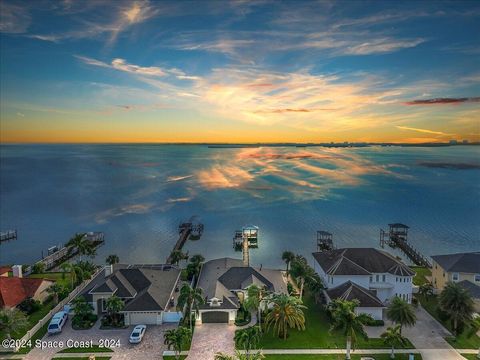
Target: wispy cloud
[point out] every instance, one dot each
(14, 19)
(426, 131)
(443, 101)
(116, 20)
(123, 65)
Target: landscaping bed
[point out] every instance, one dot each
(421, 274)
(317, 334)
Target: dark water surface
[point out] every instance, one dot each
(138, 194)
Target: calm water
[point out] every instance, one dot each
(138, 194)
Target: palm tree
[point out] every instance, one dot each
(112, 259)
(191, 298)
(301, 271)
(346, 320)
(78, 242)
(393, 337)
(255, 295)
(457, 303)
(12, 320)
(55, 289)
(287, 312)
(426, 290)
(239, 356)
(401, 312)
(197, 259)
(175, 338)
(65, 268)
(288, 257)
(114, 305)
(248, 338)
(176, 256)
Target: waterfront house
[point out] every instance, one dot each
(474, 291)
(15, 289)
(456, 268)
(371, 276)
(147, 291)
(225, 282)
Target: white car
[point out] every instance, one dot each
(57, 322)
(137, 334)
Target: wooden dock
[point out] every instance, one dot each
(8, 235)
(185, 231)
(396, 237)
(67, 252)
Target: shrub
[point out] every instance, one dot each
(29, 306)
(38, 268)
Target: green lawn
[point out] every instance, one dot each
(55, 276)
(470, 356)
(465, 340)
(339, 357)
(421, 273)
(93, 349)
(316, 334)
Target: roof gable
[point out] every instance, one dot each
(350, 291)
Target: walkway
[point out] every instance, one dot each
(209, 339)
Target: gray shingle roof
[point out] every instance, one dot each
(461, 262)
(472, 288)
(235, 276)
(360, 261)
(351, 291)
(149, 288)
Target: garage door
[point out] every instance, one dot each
(143, 318)
(215, 317)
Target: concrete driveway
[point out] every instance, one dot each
(427, 335)
(209, 339)
(151, 347)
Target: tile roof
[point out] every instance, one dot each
(14, 290)
(360, 261)
(351, 291)
(5, 269)
(461, 262)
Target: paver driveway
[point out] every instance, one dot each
(209, 339)
(151, 347)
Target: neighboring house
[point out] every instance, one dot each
(13, 290)
(474, 291)
(225, 283)
(4, 270)
(371, 276)
(456, 268)
(147, 291)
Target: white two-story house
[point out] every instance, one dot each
(371, 276)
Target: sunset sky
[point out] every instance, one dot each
(239, 71)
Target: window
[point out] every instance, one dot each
(455, 276)
(377, 278)
(383, 278)
(476, 277)
(396, 279)
(371, 278)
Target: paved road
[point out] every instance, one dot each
(209, 339)
(151, 348)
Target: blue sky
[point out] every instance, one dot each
(148, 71)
